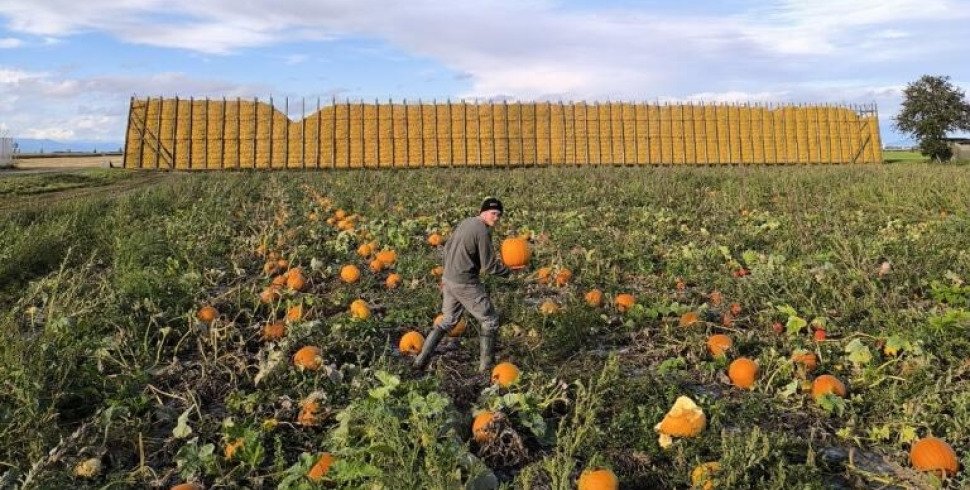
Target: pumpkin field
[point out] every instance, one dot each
(774, 327)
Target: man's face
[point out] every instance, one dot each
(491, 216)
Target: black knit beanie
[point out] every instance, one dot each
(492, 203)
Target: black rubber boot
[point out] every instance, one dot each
(487, 352)
(422, 360)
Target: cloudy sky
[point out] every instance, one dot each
(68, 67)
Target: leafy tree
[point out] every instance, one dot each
(932, 107)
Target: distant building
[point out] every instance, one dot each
(960, 148)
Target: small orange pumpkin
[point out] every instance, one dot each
(232, 447)
(806, 359)
(294, 313)
(594, 298)
(393, 281)
(827, 384)
(188, 486)
(563, 277)
(480, 427)
(716, 298)
(435, 240)
(359, 310)
(207, 314)
(515, 252)
(932, 454)
(349, 273)
(437, 271)
(295, 280)
(365, 250)
(548, 307)
(542, 275)
(411, 343)
(321, 467)
(597, 479)
(279, 281)
(718, 344)
(456, 330)
(376, 266)
(387, 257)
(308, 414)
(269, 295)
(308, 357)
(743, 372)
(689, 319)
(505, 374)
(624, 301)
(274, 331)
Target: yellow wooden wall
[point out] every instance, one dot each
(229, 134)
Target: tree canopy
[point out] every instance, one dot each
(933, 107)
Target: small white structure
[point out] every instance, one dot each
(6, 151)
(960, 148)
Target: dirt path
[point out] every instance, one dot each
(136, 182)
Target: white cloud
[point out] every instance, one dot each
(10, 42)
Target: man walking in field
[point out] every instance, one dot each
(468, 252)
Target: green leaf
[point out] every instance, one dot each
(858, 352)
(182, 429)
(795, 325)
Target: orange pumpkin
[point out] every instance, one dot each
(455, 331)
(279, 281)
(563, 277)
(718, 344)
(743, 372)
(232, 447)
(411, 343)
(349, 273)
(594, 298)
(735, 309)
(308, 414)
(435, 240)
(274, 331)
(188, 486)
(515, 252)
(269, 295)
(688, 319)
(597, 479)
(321, 467)
(359, 310)
(294, 313)
(542, 275)
(308, 357)
(376, 266)
(932, 454)
(295, 280)
(716, 298)
(548, 307)
(340, 214)
(480, 427)
(207, 314)
(806, 359)
(393, 281)
(504, 374)
(387, 257)
(827, 384)
(365, 250)
(624, 301)
(684, 419)
(437, 271)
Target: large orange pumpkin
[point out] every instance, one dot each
(932, 454)
(411, 343)
(718, 344)
(742, 372)
(515, 252)
(321, 467)
(480, 425)
(598, 479)
(826, 384)
(308, 357)
(505, 374)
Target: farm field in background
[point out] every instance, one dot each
(113, 374)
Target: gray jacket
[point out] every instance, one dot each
(469, 251)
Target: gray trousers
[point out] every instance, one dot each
(473, 298)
